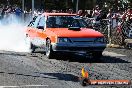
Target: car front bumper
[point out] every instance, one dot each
(78, 47)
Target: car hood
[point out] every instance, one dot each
(83, 32)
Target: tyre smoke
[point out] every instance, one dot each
(12, 35)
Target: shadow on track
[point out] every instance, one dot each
(108, 59)
(84, 58)
(62, 76)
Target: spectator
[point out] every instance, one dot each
(18, 12)
(70, 11)
(3, 12)
(88, 14)
(112, 18)
(81, 13)
(96, 13)
(127, 15)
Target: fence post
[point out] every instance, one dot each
(32, 8)
(109, 32)
(77, 6)
(23, 12)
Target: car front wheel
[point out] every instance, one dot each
(49, 51)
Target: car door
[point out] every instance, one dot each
(41, 36)
(31, 30)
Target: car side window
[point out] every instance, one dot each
(51, 21)
(32, 22)
(41, 22)
(36, 22)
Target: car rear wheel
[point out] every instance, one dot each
(29, 44)
(49, 51)
(32, 48)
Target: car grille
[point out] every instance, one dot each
(85, 48)
(83, 40)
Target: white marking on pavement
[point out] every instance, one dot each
(113, 54)
(24, 86)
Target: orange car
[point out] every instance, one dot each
(63, 32)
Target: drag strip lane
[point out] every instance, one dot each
(24, 86)
(113, 54)
(115, 57)
(19, 69)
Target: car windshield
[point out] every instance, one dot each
(65, 22)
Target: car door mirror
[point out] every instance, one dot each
(40, 27)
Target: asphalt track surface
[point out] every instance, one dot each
(24, 70)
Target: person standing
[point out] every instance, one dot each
(127, 16)
(18, 12)
(96, 13)
(3, 12)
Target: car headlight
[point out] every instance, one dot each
(100, 39)
(63, 40)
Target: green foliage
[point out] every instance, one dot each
(119, 4)
(63, 4)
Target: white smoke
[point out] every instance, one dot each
(12, 35)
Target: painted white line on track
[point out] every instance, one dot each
(113, 54)
(24, 86)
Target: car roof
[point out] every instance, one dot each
(58, 14)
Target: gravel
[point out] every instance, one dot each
(24, 70)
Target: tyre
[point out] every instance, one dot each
(29, 44)
(32, 48)
(49, 52)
